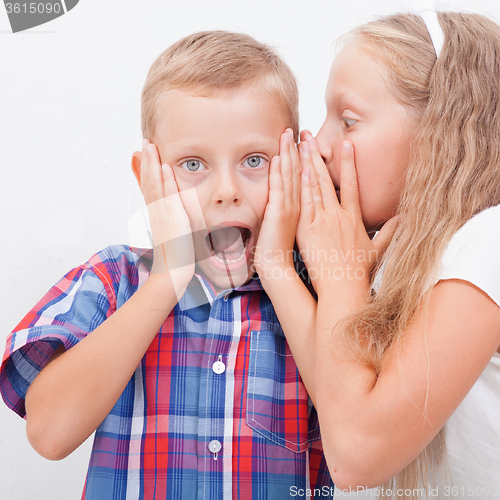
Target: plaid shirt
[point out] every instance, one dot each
(183, 428)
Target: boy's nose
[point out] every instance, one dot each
(226, 189)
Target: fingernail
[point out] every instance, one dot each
(310, 138)
(347, 145)
(290, 132)
(144, 143)
(304, 146)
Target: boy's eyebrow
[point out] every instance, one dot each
(251, 145)
(180, 144)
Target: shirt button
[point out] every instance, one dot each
(214, 446)
(219, 367)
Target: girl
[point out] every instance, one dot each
(403, 367)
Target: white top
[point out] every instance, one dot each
(472, 433)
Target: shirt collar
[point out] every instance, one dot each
(253, 285)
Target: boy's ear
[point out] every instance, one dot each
(136, 166)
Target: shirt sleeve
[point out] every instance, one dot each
(473, 253)
(72, 308)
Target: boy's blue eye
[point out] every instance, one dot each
(253, 161)
(193, 165)
(349, 122)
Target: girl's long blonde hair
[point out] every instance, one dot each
(453, 173)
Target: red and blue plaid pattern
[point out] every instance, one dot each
(154, 443)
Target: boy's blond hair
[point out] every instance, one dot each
(212, 63)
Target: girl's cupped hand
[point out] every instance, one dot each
(331, 236)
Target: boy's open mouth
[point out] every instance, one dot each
(228, 244)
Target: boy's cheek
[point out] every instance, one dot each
(261, 210)
(188, 180)
(194, 206)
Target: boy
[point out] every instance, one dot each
(186, 377)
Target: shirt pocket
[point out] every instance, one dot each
(278, 406)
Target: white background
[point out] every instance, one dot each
(69, 123)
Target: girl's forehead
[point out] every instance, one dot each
(356, 74)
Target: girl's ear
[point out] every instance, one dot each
(136, 166)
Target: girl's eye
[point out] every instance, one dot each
(349, 122)
(253, 161)
(193, 165)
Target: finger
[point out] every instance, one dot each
(169, 183)
(324, 180)
(155, 184)
(190, 199)
(145, 143)
(303, 134)
(349, 193)
(276, 189)
(197, 225)
(306, 160)
(171, 202)
(144, 167)
(286, 167)
(307, 210)
(385, 235)
(296, 168)
(183, 199)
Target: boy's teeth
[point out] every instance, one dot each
(219, 258)
(238, 255)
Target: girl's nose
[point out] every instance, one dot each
(324, 141)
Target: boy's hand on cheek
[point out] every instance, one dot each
(170, 225)
(277, 235)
